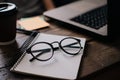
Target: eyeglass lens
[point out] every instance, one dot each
(42, 51)
(71, 46)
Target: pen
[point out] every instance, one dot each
(27, 32)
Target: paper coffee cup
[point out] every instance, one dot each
(8, 18)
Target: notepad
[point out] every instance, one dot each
(60, 66)
(33, 23)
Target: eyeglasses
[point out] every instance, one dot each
(44, 51)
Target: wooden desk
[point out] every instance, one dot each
(97, 54)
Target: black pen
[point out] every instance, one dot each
(27, 32)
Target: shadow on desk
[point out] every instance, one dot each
(111, 37)
(109, 73)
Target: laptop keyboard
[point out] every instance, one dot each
(96, 18)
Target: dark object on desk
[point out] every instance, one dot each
(113, 18)
(8, 18)
(27, 32)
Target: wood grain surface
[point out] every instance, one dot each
(97, 55)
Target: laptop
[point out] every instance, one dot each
(90, 15)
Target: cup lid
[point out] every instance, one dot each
(7, 8)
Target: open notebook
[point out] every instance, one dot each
(60, 66)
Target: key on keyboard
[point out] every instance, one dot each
(96, 18)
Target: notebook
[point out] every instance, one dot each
(90, 15)
(60, 66)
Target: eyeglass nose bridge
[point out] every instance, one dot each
(56, 47)
(55, 42)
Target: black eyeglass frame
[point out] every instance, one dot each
(53, 49)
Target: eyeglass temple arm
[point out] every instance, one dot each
(43, 51)
(71, 45)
